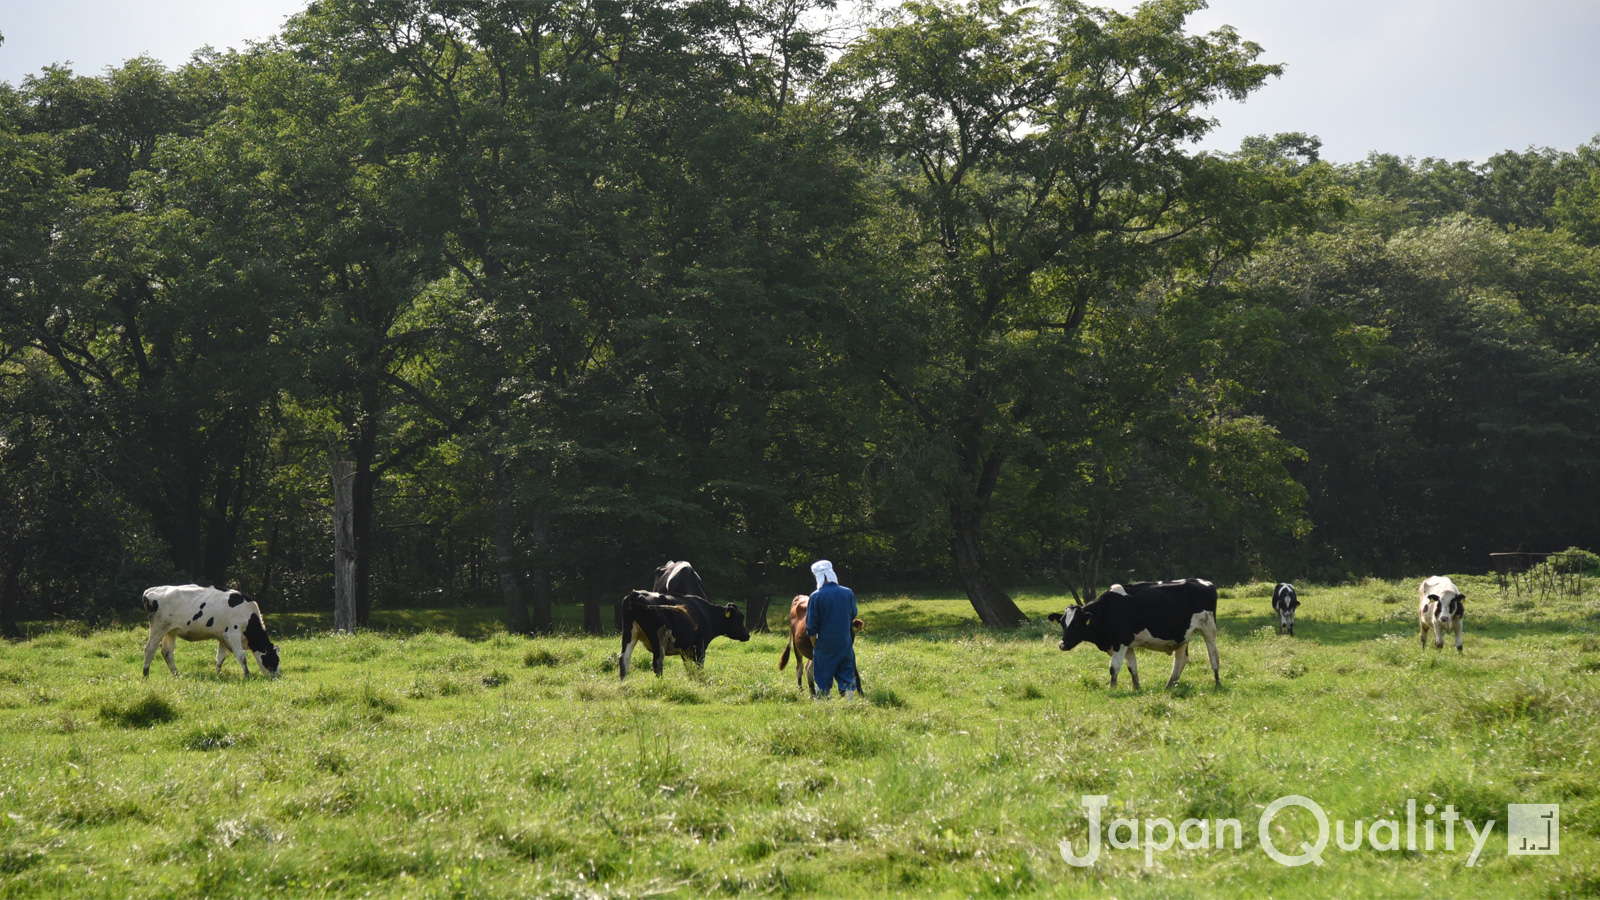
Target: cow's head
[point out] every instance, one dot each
(1284, 603)
(260, 644)
(1445, 606)
(1075, 624)
(732, 622)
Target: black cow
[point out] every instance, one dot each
(1284, 603)
(665, 624)
(1148, 615)
(678, 579)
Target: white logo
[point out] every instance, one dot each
(1533, 829)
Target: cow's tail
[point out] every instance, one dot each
(783, 661)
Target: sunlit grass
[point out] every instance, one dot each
(436, 755)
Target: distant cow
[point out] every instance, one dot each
(197, 613)
(1284, 603)
(678, 579)
(1439, 609)
(665, 624)
(1145, 616)
(802, 644)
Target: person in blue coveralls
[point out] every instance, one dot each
(828, 617)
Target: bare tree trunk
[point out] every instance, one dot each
(9, 626)
(344, 548)
(505, 548)
(994, 606)
(363, 547)
(540, 613)
(591, 608)
(755, 614)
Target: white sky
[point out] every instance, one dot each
(1455, 79)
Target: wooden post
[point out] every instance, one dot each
(344, 548)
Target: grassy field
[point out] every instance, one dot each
(434, 757)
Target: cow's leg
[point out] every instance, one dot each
(811, 677)
(150, 651)
(634, 638)
(1208, 632)
(168, 642)
(237, 646)
(658, 653)
(1457, 624)
(1180, 658)
(1116, 663)
(1438, 636)
(1422, 636)
(631, 635)
(1133, 667)
(222, 654)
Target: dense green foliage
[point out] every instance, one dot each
(423, 764)
(581, 287)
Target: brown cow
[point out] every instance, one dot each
(802, 643)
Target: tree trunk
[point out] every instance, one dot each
(755, 614)
(505, 548)
(591, 608)
(539, 613)
(9, 626)
(994, 606)
(344, 551)
(363, 547)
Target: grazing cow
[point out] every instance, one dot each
(802, 644)
(1284, 603)
(1145, 616)
(665, 624)
(197, 613)
(1439, 609)
(678, 579)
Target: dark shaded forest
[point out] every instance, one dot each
(579, 288)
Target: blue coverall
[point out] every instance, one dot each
(828, 616)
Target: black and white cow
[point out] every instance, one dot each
(1284, 603)
(197, 613)
(1439, 609)
(666, 623)
(1148, 615)
(678, 579)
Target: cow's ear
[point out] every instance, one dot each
(731, 609)
(1054, 617)
(1088, 619)
(1461, 596)
(1434, 597)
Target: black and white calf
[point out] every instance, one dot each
(1148, 615)
(197, 613)
(1284, 603)
(1439, 609)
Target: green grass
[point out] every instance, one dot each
(437, 757)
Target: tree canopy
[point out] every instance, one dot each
(950, 299)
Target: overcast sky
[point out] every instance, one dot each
(1455, 79)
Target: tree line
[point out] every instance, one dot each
(581, 287)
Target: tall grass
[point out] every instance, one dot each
(460, 761)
